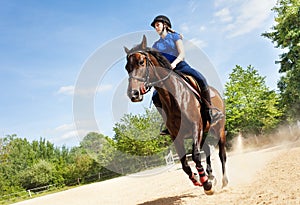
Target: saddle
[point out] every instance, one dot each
(194, 86)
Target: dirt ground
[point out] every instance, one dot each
(266, 176)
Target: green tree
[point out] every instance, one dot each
(138, 143)
(99, 147)
(20, 158)
(250, 106)
(8, 180)
(286, 35)
(19, 155)
(139, 134)
(40, 174)
(81, 165)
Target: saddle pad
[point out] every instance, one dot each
(212, 93)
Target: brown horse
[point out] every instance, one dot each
(182, 109)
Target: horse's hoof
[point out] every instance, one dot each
(208, 188)
(224, 182)
(209, 192)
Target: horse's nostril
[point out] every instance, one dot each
(135, 93)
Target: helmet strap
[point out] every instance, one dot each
(164, 28)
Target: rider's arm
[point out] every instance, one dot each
(181, 54)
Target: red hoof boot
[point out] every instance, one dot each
(193, 178)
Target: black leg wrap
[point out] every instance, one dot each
(186, 168)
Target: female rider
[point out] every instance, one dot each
(171, 46)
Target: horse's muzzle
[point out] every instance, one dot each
(135, 96)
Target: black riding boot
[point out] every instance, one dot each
(214, 116)
(165, 131)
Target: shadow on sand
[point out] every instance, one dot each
(172, 200)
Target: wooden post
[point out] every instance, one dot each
(29, 193)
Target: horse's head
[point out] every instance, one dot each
(138, 70)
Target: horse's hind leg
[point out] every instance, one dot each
(222, 155)
(204, 146)
(206, 149)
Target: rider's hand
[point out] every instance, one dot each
(173, 65)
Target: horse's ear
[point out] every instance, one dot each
(126, 49)
(144, 42)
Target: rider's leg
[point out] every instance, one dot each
(205, 93)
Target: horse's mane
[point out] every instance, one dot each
(155, 53)
(160, 58)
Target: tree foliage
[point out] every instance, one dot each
(286, 35)
(139, 134)
(137, 142)
(250, 106)
(39, 174)
(99, 147)
(21, 161)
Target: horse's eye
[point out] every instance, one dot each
(141, 62)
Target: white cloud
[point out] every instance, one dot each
(193, 5)
(68, 134)
(220, 3)
(104, 88)
(65, 134)
(199, 43)
(224, 15)
(67, 90)
(252, 15)
(184, 28)
(64, 127)
(202, 28)
(70, 90)
(244, 16)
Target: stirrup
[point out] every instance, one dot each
(164, 132)
(216, 117)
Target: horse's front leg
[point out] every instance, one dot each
(185, 166)
(196, 156)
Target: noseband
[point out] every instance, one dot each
(146, 79)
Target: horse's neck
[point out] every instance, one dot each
(168, 88)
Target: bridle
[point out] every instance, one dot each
(146, 79)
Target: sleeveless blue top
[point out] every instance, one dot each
(167, 46)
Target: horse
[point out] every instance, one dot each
(182, 109)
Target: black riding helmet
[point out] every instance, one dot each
(163, 19)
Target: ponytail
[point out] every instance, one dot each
(170, 30)
(173, 31)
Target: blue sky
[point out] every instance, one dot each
(44, 46)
